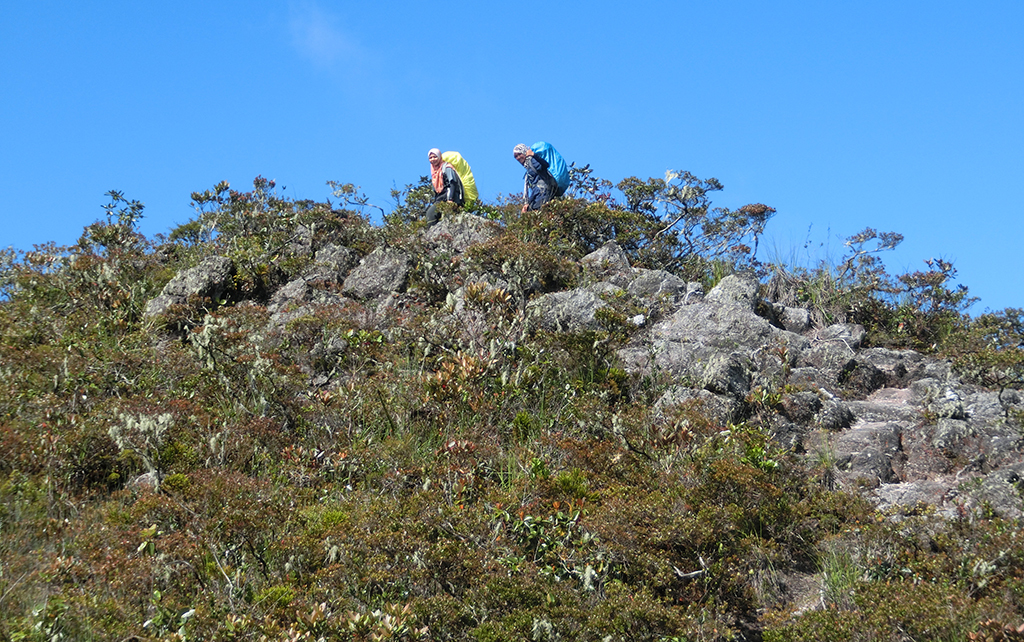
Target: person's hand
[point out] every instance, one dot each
(524, 208)
(522, 157)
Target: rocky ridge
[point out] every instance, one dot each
(898, 426)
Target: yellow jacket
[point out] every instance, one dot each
(462, 168)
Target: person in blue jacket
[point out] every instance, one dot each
(540, 184)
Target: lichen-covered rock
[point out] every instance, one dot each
(695, 340)
(850, 334)
(383, 271)
(607, 263)
(832, 350)
(1000, 492)
(834, 416)
(865, 453)
(786, 434)
(801, 407)
(657, 284)
(917, 495)
(887, 404)
(455, 235)
(727, 374)
(793, 319)
(898, 366)
(719, 409)
(297, 298)
(332, 264)
(735, 290)
(211, 279)
(861, 378)
(572, 310)
(941, 399)
(951, 433)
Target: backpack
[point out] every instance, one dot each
(556, 165)
(462, 168)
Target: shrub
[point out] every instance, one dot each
(991, 350)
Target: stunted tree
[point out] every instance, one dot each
(991, 351)
(680, 205)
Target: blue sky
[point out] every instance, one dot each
(902, 116)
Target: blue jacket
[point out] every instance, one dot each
(541, 185)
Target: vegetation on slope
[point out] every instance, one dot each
(417, 471)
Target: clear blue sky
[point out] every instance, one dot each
(904, 116)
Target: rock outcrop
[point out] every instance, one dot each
(898, 426)
(211, 279)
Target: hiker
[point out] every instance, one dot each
(447, 185)
(546, 173)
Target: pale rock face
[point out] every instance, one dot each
(383, 271)
(212, 278)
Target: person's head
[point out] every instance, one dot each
(434, 156)
(521, 152)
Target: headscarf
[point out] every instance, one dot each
(437, 172)
(520, 149)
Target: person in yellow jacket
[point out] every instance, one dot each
(456, 160)
(452, 180)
